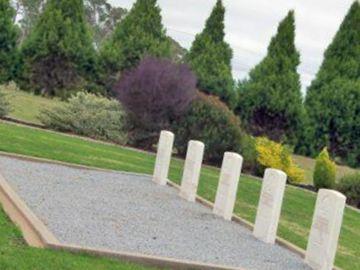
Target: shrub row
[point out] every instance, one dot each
(156, 95)
(207, 119)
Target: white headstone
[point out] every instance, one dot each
(192, 167)
(325, 229)
(269, 208)
(163, 157)
(228, 185)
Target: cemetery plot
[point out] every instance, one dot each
(130, 213)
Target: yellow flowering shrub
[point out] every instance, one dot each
(274, 155)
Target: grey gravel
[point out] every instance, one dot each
(126, 212)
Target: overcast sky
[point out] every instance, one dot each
(250, 24)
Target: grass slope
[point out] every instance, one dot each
(26, 106)
(298, 204)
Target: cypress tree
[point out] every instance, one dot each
(270, 100)
(58, 54)
(210, 58)
(139, 34)
(8, 39)
(332, 100)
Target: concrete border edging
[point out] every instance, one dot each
(143, 259)
(36, 233)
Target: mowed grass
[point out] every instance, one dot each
(26, 106)
(297, 208)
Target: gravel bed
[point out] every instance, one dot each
(125, 212)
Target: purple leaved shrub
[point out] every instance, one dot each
(155, 93)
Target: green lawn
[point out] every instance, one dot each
(26, 106)
(297, 209)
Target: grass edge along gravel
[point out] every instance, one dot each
(15, 254)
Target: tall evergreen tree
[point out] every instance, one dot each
(139, 34)
(59, 55)
(8, 40)
(332, 100)
(270, 101)
(210, 58)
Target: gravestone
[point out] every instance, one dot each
(325, 229)
(163, 157)
(269, 208)
(192, 167)
(228, 185)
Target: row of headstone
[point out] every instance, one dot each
(325, 229)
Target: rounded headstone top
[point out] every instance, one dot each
(275, 173)
(331, 192)
(197, 143)
(167, 134)
(233, 155)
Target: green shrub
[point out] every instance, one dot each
(4, 103)
(208, 120)
(88, 115)
(325, 171)
(349, 185)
